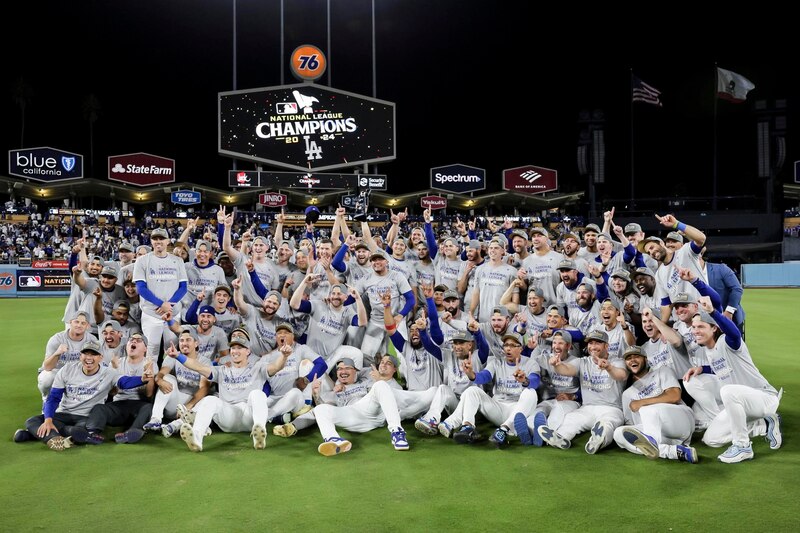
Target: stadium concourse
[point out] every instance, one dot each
(544, 328)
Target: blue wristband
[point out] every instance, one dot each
(181, 359)
(681, 227)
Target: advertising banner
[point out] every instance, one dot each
(45, 164)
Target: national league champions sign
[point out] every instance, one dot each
(305, 127)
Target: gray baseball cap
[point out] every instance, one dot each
(567, 264)
(159, 232)
(284, 326)
(223, 288)
(591, 227)
(589, 284)
(451, 295)
(125, 247)
(78, 314)
(634, 350)
(633, 227)
(501, 309)
(540, 230)
(597, 335)
(537, 291)
(560, 309)
(378, 254)
(564, 334)
(621, 273)
(276, 294)
(239, 340)
(463, 336)
(91, 346)
(361, 244)
(202, 242)
(644, 241)
(519, 233)
(191, 332)
(644, 271)
(474, 243)
(346, 361)
(516, 337)
(116, 326)
(109, 271)
(674, 236)
(683, 298)
(613, 303)
(705, 317)
(144, 247)
(138, 335)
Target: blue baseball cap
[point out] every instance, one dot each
(207, 309)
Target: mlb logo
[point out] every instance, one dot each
(30, 281)
(286, 108)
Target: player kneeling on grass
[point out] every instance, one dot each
(658, 423)
(77, 388)
(515, 382)
(749, 402)
(602, 382)
(179, 388)
(242, 403)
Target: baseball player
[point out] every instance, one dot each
(749, 402)
(668, 281)
(77, 388)
(203, 276)
(178, 385)
(665, 348)
(541, 266)
(225, 317)
(559, 392)
(602, 381)
(361, 404)
(514, 391)
(261, 320)
(530, 318)
(446, 264)
(590, 251)
(112, 344)
(131, 406)
(612, 323)
(161, 281)
(491, 281)
(62, 348)
(104, 288)
(657, 422)
(473, 261)
(241, 404)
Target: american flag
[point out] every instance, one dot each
(643, 92)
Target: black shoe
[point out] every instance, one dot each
(22, 435)
(466, 435)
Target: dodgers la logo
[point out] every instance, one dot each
(68, 163)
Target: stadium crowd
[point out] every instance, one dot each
(545, 329)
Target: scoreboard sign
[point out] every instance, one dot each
(305, 127)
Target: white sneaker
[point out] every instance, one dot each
(187, 434)
(259, 434)
(597, 438)
(170, 429)
(334, 446)
(737, 454)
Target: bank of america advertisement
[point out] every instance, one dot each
(306, 127)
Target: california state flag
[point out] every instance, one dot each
(733, 87)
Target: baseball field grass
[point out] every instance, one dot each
(159, 484)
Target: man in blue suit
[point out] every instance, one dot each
(723, 280)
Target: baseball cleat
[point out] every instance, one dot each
(399, 440)
(285, 418)
(737, 454)
(185, 414)
(539, 420)
(499, 438)
(131, 436)
(300, 412)
(552, 438)
(22, 435)
(59, 443)
(427, 427)
(334, 446)
(466, 435)
(687, 454)
(523, 432)
(153, 425)
(642, 442)
(83, 436)
(259, 434)
(445, 430)
(187, 434)
(774, 436)
(596, 438)
(285, 430)
(170, 429)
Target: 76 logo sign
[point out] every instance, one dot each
(308, 62)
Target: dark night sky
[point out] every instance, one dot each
(484, 83)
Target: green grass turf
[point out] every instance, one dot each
(438, 485)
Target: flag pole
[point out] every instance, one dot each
(714, 176)
(630, 99)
